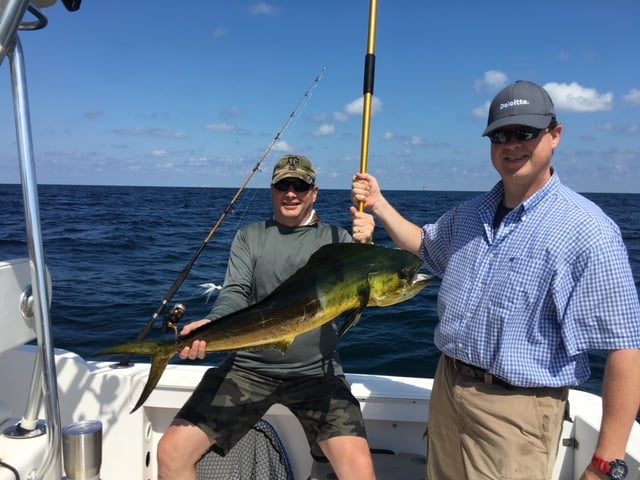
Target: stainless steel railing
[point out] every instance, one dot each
(44, 383)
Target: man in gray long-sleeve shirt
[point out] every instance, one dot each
(308, 378)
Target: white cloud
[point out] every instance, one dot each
(220, 127)
(632, 129)
(93, 115)
(233, 111)
(159, 153)
(492, 81)
(263, 8)
(319, 118)
(150, 132)
(482, 111)
(325, 130)
(573, 97)
(220, 32)
(413, 140)
(357, 106)
(606, 127)
(282, 146)
(633, 97)
(198, 162)
(340, 117)
(406, 153)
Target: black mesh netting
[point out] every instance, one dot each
(259, 455)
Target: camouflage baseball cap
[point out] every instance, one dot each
(294, 166)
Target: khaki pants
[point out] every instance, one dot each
(485, 431)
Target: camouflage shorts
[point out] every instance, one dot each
(226, 404)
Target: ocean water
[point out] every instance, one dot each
(115, 252)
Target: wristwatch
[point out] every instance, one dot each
(616, 469)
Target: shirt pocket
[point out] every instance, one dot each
(521, 283)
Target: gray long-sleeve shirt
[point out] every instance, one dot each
(262, 256)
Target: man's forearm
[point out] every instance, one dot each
(620, 402)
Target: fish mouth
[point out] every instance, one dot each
(407, 290)
(420, 278)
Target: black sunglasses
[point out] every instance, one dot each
(298, 186)
(522, 134)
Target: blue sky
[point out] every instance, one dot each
(191, 93)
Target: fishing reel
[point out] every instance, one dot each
(172, 318)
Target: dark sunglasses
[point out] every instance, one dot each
(522, 134)
(298, 186)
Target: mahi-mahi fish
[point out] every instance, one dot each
(338, 278)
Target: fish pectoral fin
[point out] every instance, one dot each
(354, 317)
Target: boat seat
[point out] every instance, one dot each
(388, 466)
(15, 286)
(259, 454)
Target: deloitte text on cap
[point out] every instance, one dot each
(294, 166)
(522, 103)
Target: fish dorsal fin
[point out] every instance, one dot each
(328, 254)
(334, 253)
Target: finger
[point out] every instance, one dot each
(199, 349)
(202, 349)
(189, 327)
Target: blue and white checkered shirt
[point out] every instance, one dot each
(528, 301)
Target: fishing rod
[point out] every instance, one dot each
(178, 311)
(367, 90)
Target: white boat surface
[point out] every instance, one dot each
(43, 389)
(395, 411)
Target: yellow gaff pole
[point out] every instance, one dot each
(369, 72)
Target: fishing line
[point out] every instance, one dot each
(367, 90)
(178, 311)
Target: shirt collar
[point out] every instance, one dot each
(311, 221)
(551, 186)
(494, 197)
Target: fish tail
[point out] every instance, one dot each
(159, 362)
(160, 353)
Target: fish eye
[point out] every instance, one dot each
(406, 273)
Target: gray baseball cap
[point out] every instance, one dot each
(521, 103)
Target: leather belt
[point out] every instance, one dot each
(471, 371)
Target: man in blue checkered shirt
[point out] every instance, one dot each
(533, 276)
